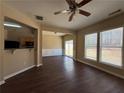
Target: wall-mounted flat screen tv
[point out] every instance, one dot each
(11, 44)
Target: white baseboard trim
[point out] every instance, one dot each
(39, 65)
(112, 73)
(16, 73)
(2, 82)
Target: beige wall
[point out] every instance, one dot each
(52, 45)
(18, 34)
(1, 42)
(101, 26)
(56, 29)
(23, 18)
(51, 42)
(17, 60)
(19, 16)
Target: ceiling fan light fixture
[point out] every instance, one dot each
(65, 11)
(9, 24)
(74, 8)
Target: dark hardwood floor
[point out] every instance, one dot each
(62, 75)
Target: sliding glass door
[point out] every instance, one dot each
(69, 48)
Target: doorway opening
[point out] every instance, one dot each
(69, 48)
(52, 43)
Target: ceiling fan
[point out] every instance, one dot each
(74, 7)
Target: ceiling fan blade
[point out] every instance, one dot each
(73, 2)
(83, 3)
(84, 13)
(71, 17)
(63, 11)
(69, 2)
(56, 13)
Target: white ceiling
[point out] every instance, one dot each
(98, 8)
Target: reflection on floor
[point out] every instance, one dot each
(63, 75)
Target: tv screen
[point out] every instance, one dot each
(11, 44)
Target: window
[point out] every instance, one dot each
(111, 46)
(69, 48)
(91, 46)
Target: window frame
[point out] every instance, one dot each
(98, 52)
(95, 60)
(123, 51)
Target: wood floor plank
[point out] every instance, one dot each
(63, 75)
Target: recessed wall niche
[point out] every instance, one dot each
(18, 35)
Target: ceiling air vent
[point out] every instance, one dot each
(39, 18)
(115, 12)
